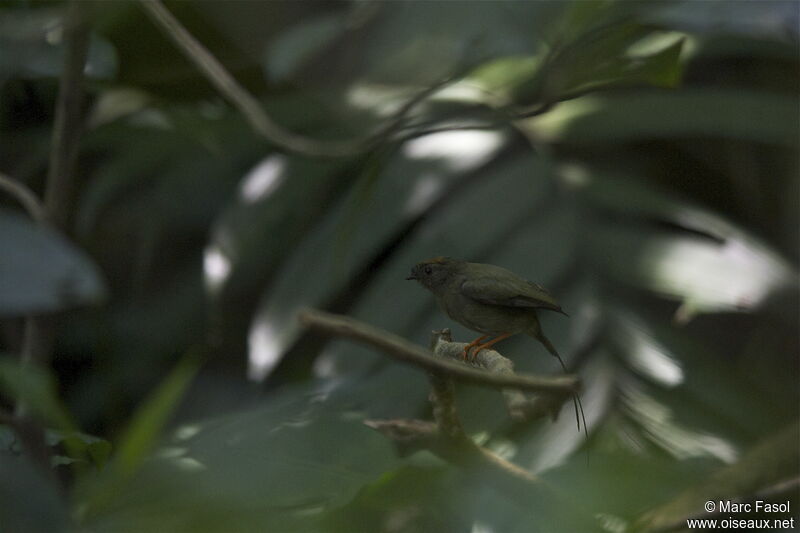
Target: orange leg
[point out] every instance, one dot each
(471, 345)
(489, 344)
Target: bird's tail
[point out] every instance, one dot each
(576, 399)
(550, 348)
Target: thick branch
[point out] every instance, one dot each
(520, 406)
(408, 352)
(443, 399)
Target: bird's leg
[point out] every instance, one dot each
(471, 345)
(489, 344)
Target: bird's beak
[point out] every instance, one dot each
(412, 276)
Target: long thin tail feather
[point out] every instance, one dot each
(576, 399)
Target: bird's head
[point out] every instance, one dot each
(434, 274)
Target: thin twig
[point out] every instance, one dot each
(408, 352)
(251, 108)
(22, 194)
(414, 435)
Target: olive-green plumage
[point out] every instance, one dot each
(491, 300)
(486, 298)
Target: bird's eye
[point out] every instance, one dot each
(428, 270)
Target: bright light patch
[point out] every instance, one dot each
(652, 360)
(733, 276)
(264, 349)
(263, 179)
(458, 150)
(480, 527)
(574, 175)
(654, 43)
(661, 427)
(216, 267)
(55, 35)
(387, 101)
(187, 432)
(554, 125)
(376, 98)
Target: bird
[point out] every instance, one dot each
(490, 300)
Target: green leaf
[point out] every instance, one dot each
(599, 45)
(301, 43)
(776, 21)
(726, 113)
(151, 417)
(709, 276)
(36, 388)
(606, 63)
(40, 271)
(81, 446)
(274, 468)
(33, 47)
(765, 467)
(389, 194)
(714, 265)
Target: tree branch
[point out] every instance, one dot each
(446, 437)
(414, 435)
(68, 121)
(408, 352)
(22, 194)
(39, 330)
(443, 398)
(251, 108)
(521, 407)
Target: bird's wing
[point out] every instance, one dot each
(511, 293)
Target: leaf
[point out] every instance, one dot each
(389, 196)
(36, 388)
(415, 44)
(150, 418)
(296, 46)
(705, 275)
(762, 117)
(772, 461)
(32, 44)
(605, 62)
(29, 502)
(40, 271)
(81, 446)
(276, 468)
(778, 21)
(713, 265)
(597, 45)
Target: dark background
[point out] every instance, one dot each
(654, 192)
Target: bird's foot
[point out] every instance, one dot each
(489, 344)
(465, 356)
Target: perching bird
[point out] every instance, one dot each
(490, 300)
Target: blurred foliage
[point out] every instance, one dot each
(639, 159)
